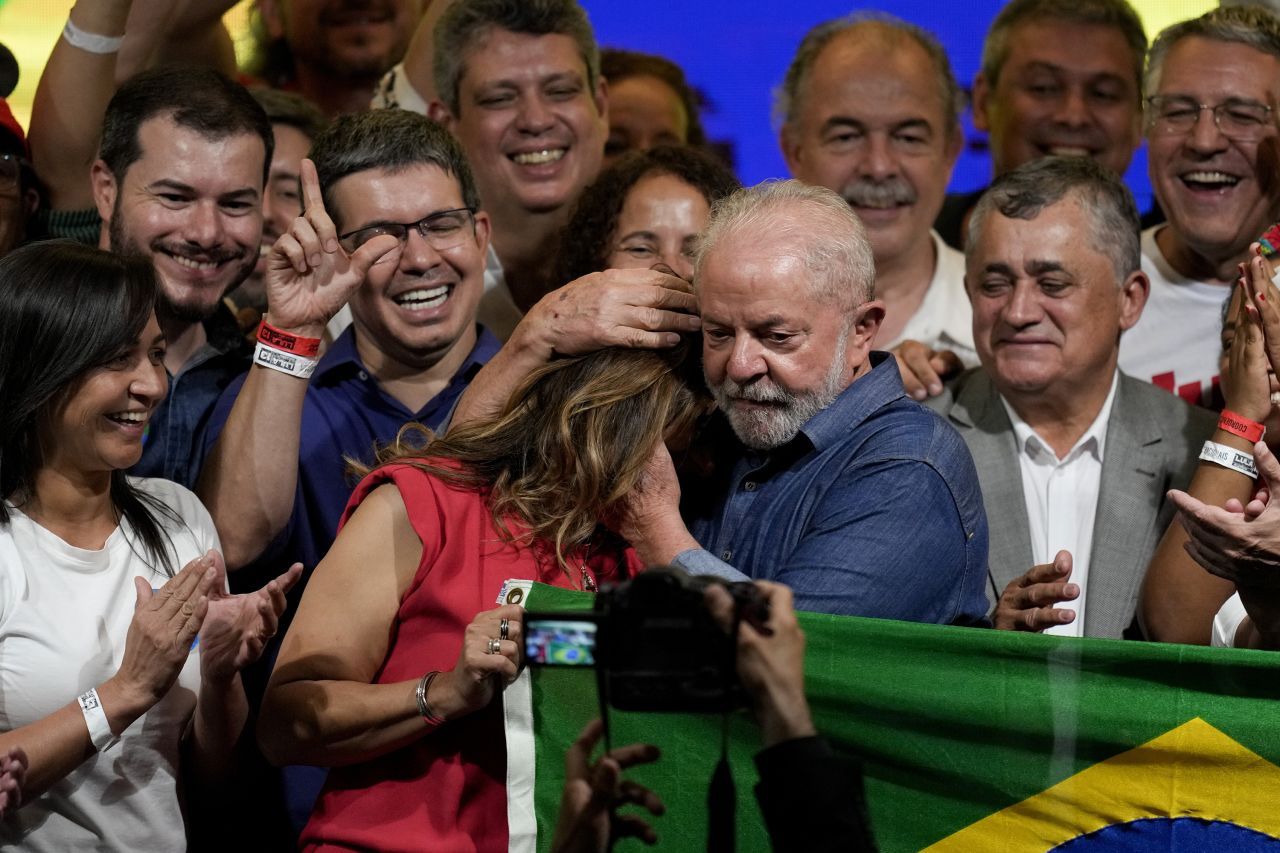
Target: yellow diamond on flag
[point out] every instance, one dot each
(1194, 771)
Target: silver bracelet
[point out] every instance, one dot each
(424, 709)
(1229, 457)
(91, 42)
(96, 719)
(285, 362)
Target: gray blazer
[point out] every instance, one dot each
(1153, 443)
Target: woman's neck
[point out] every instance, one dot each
(75, 507)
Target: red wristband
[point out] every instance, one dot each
(282, 340)
(1237, 424)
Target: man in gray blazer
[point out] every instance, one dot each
(1074, 458)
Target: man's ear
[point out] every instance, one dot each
(440, 114)
(105, 190)
(981, 98)
(1133, 297)
(790, 149)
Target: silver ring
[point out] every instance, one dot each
(503, 627)
(495, 646)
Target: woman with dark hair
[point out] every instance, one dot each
(650, 103)
(100, 681)
(389, 671)
(646, 209)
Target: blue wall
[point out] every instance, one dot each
(736, 52)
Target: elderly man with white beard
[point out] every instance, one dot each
(829, 478)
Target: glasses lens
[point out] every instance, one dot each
(446, 229)
(10, 169)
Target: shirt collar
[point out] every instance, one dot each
(342, 357)
(865, 395)
(1093, 440)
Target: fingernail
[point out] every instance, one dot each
(935, 389)
(1072, 589)
(918, 395)
(314, 260)
(331, 245)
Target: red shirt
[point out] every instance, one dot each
(446, 791)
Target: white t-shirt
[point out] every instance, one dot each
(64, 614)
(498, 311)
(1227, 622)
(944, 320)
(1177, 342)
(1061, 496)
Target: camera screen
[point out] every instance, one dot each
(560, 642)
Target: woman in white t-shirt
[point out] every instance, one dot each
(103, 681)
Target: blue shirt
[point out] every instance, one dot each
(344, 415)
(172, 449)
(873, 509)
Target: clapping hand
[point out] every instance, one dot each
(237, 627)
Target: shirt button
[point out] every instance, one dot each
(364, 377)
(749, 486)
(726, 555)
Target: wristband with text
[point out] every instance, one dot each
(1237, 424)
(96, 719)
(285, 362)
(1229, 457)
(287, 341)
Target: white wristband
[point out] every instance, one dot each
(96, 719)
(1229, 457)
(91, 42)
(285, 362)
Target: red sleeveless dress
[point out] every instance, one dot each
(447, 791)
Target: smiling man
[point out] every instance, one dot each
(871, 110)
(179, 180)
(826, 462)
(392, 223)
(1058, 77)
(1072, 455)
(1212, 87)
(520, 87)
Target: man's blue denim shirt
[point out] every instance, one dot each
(172, 448)
(873, 509)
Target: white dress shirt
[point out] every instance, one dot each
(944, 320)
(1061, 497)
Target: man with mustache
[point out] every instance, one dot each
(1058, 77)
(826, 457)
(1074, 456)
(1212, 86)
(870, 109)
(179, 179)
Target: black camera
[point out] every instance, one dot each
(653, 641)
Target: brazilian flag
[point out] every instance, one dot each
(971, 740)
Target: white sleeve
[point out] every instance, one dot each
(1227, 622)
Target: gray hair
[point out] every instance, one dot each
(828, 237)
(393, 140)
(1031, 188)
(1116, 14)
(788, 95)
(1248, 25)
(468, 21)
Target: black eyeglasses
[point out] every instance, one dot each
(443, 229)
(1244, 121)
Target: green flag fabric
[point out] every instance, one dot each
(971, 740)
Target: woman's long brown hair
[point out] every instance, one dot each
(570, 443)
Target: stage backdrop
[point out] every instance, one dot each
(735, 51)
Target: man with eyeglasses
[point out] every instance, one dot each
(18, 195)
(392, 225)
(1211, 85)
